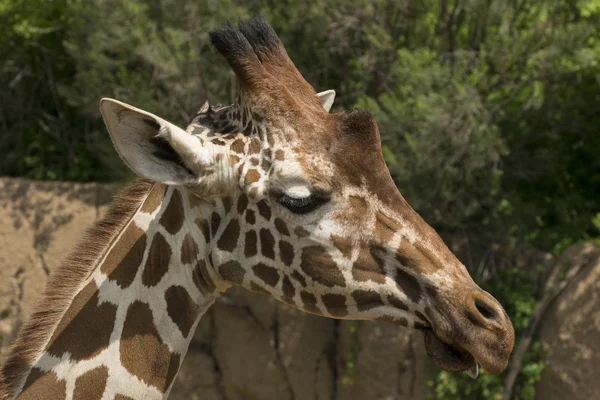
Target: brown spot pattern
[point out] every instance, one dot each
(396, 302)
(172, 218)
(232, 271)
(157, 263)
(122, 397)
(250, 217)
(215, 221)
(268, 274)
(367, 299)
(408, 285)
(42, 385)
(267, 244)
(417, 258)
(368, 267)
(202, 279)
(281, 227)
(227, 203)
(310, 302)
(319, 265)
(254, 147)
(154, 199)
(258, 289)
(84, 314)
(229, 237)
(181, 308)
(203, 226)
(279, 155)
(122, 262)
(252, 176)
(251, 244)
(335, 304)
(298, 277)
(301, 232)
(189, 250)
(288, 289)
(264, 209)
(242, 203)
(286, 252)
(91, 385)
(142, 352)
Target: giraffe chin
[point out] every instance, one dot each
(449, 357)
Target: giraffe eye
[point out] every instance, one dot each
(302, 205)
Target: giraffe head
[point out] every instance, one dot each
(306, 210)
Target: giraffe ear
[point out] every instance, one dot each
(152, 147)
(327, 97)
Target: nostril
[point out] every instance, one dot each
(485, 310)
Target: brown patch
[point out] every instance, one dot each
(368, 266)
(122, 397)
(252, 176)
(242, 203)
(237, 146)
(189, 250)
(232, 271)
(172, 218)
(154, 200)
(417, 258)
(202, 279)
(91, 385)
(218, 141)
(310, 302)
(264, 209)
(396, 302)
(301, 232)
(233, 159)
(268, 274)
(367, 299)
(408, 285)
(227, 203)
(143, 353)
(288, 289)
(254, 147)
(280, 155)
(298, 277)
(42, 385)
(229, 237)
(250, 217)
(76, 268)
(319, 265)
(258, 289)
(254, 161)
(385, 228)
(251, 244)
(335, 304)
(343, 245)
(181, 308)
(281, 227)
(286, 252)
(157, 263)
(395, 320)
(123, 260)
(265, 165)
(215, 221)
(97, 320)
(202, 224)
(354, 213)
(267, 244)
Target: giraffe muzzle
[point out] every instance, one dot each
(473, 332)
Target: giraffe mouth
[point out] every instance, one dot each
(449, 357)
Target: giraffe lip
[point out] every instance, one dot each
(449, 357)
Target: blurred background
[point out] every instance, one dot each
(489, 112)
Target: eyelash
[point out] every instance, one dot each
(303, 205)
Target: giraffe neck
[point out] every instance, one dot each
(131, 318)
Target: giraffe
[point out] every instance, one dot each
(273, 193)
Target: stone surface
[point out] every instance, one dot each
(570, 332)
(247, 346)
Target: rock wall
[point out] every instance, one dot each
(247, 346)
